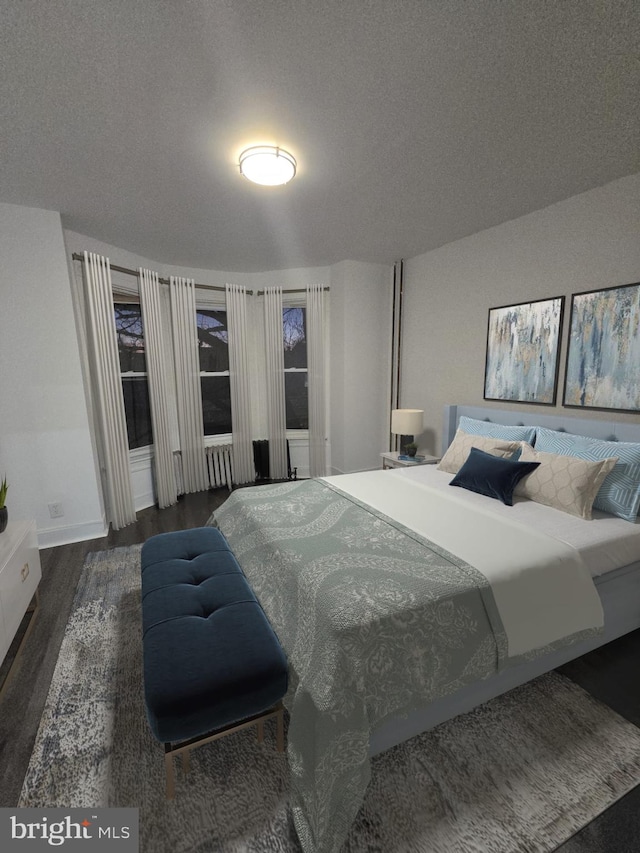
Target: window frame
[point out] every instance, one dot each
(288, 303)
(211, 439)
(120, 297)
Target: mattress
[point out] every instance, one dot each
(605, 542)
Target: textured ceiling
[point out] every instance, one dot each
(414, 123)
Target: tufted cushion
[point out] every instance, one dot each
(192, 571)
(211, 658)
(185, 598)
(182, 544)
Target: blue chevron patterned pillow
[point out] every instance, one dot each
(509, 433)
(620, 492)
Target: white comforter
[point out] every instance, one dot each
(542, 588)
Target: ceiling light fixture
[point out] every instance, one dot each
(267, 164)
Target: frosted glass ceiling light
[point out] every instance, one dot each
(267, 165)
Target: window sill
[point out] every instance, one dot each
(216, 440)
(141, 459)
(227, 438)
(141, 454)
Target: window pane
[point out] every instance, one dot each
(213, 341)
(216, 404)
(130, 337)
(296, 400)
(294, 334)
(137, 411)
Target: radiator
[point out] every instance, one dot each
(261, 460)
(220, 465)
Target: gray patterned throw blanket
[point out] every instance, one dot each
(376, 621)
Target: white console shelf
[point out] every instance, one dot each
(20, 574)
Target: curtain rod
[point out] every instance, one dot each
(77, 257)
(295, 290)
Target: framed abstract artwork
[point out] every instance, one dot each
(523, 347)
(603, 356)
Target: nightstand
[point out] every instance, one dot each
(390, 460)
(20, 574)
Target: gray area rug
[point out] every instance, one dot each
(520, 774)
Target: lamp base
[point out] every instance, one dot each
(404, 441)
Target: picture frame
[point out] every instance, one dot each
(523, 349)
(603, 354)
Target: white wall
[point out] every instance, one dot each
(586, 242)
(45, 442)
(360, 332)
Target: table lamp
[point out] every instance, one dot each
(406, 423)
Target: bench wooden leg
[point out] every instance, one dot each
(186, 746)
(168, 764)
(280, 729)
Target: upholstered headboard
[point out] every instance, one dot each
(608, 430)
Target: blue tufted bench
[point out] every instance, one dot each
(212, 662)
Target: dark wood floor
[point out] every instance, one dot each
(611, 673)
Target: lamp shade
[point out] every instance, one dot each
(407, 421)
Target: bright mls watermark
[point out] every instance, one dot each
(76, 829)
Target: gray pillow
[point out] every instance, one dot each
(566, 483)
(459, 449)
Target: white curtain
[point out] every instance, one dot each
(154, 338)
(105, 364)
(185, 352)
(316, 379)
(276, 409)
(240, 383)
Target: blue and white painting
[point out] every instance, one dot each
(603, 359)
(522, 352)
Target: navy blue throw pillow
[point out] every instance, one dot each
(491, 475)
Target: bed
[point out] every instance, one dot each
(393, 622)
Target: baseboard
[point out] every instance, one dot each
(54, 536)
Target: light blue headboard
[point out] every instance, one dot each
(605, 429)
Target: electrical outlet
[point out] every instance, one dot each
(56, 510)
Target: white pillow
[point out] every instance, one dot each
(566, 483)
(460, 447)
